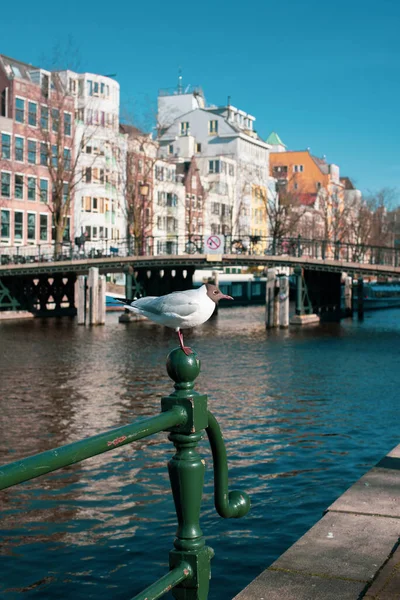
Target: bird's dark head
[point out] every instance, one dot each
(215, 294)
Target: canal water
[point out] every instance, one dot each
(304, 412)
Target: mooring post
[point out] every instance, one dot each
(348, 304)
(102, 300)
(360, 298)
(283, 300)
(80, 288)
(92, 283)
(270, 299)
(276, 311)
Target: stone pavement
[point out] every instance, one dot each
(353, 552)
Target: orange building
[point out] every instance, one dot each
(299, 171)
(312, 181)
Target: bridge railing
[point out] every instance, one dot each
(184, 414)
(197, 244)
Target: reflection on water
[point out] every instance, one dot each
(304, 414)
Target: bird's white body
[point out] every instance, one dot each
(179, 310)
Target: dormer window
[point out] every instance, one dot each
(213, 127)
(184, 130)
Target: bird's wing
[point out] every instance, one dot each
(179, 304)
(148, 303)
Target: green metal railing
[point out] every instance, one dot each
(184, 414)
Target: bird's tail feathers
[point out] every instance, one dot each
(127, 306)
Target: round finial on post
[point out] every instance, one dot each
(183, 369)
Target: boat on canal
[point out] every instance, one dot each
(381, 295)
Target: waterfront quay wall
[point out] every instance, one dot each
(353, 552)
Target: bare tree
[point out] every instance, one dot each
(58, 153)
(284, 213)
(141, 159)
(382, 203)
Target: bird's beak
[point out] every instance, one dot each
(224, 297)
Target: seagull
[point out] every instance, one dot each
(180, 310)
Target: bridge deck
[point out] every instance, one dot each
(199, 261)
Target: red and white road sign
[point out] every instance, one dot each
(215, 244)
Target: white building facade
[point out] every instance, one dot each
(100, 151)
(232, 159)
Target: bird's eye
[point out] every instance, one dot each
(215, 292)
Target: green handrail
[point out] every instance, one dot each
(185, 415)
(51, 460)
(228, 504)
(166, 583)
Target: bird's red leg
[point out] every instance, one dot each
(188, 351)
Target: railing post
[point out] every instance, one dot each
(186, 472)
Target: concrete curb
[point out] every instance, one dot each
(351, 553)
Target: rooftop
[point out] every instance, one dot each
(16, 68)
(274, 140)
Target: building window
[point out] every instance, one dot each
(19, 149)
(87, 174)
(171, 149)
(43, 155)
(298, 168)
(67, 230)
(67, 159)
(213, 166)
(55, 119)
(231, 170)
(4, 103)
(44, 190)
(65, 193)
(32, 188)
(6, 185)
(5, 146)
(43, 228)
(94, 233)
(5, 224)
(54, 156)
(198, 148)
(72, 85)
(318, 185)
(89, 87)
(18, 225)
(160, 173)
(19, 110)
(67, 123)
(32, 113)
(172, 199)
(19, 186)
(44, 118)
(31, 226)
(31, 152)
(215, 208)
(184, 128)
(213, 127)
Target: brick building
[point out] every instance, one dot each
(34, 131)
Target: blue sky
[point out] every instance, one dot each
(323, 75)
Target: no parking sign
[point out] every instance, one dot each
(215, 244)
